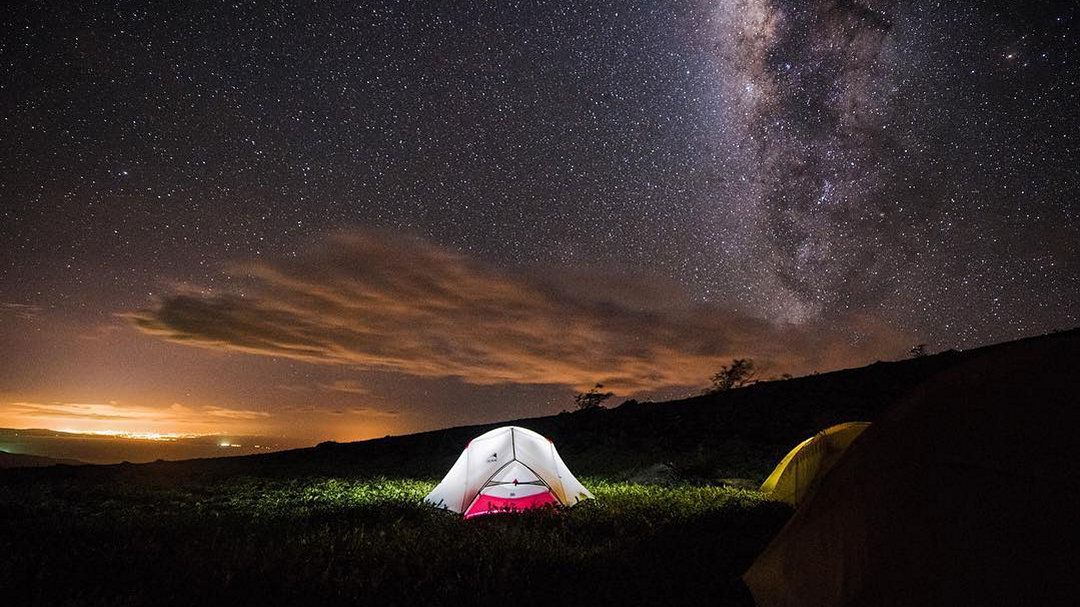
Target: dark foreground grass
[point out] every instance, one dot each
(332, 541)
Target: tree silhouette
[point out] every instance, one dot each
(738, 374)
(917, 351)
(593, 399)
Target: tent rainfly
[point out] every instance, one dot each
(964, 493)
(507, 469)
(799, 472)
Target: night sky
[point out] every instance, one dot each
(347, 219)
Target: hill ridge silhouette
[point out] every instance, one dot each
(739, 433)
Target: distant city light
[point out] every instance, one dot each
(154, 436)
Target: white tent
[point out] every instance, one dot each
(508, 468)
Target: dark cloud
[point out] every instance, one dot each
(377, 301)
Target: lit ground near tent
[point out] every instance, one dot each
(161, 540)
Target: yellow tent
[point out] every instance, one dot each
(963, 493)
(797, 474)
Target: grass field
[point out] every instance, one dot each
(343, 523)
(155, 539)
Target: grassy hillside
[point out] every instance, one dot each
(343, 523)
(736, 434)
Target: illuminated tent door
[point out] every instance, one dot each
(507, 469)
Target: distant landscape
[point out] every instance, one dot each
(19, 460)
(110, 449)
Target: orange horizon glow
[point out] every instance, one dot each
(176, 422)
(118, 419)
(147, 436)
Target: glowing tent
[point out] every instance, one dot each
(507, 469)
(801, 469)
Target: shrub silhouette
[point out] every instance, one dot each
(593, 399)
(738, 374)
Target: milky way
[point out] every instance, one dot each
(857, 127)
(875, 174)
(810, 87)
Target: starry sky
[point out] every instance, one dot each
(339, 220)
